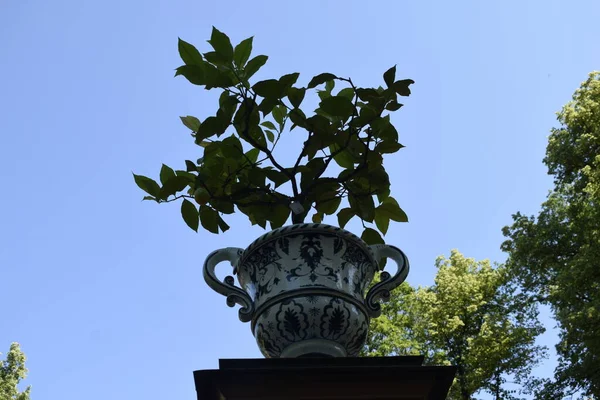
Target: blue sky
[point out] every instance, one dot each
(105, 293)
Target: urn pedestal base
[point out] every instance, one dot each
(345, 378)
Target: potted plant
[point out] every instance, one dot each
(302, 286)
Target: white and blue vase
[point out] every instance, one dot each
(303, 289)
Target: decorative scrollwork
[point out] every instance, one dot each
(227, 288)
(381, 291)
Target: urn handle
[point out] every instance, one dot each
(381, 291)
(227, 288)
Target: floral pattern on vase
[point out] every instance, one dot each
(305, 285)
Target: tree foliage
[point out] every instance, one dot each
(556, 255)
(471, 318)
(238, 169)
(13, 371)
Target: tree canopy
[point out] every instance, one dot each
(13, 371)
(555, 256)
(471, 318)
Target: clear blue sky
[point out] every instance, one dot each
(105, 293)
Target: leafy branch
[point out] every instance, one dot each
(351, 128)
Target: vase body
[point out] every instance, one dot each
(304, 289)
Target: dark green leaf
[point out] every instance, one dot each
(166, 173)
(173, 185)
(363, 206)
(329, 205)
(270, 136)
(221, 43)
(297, 116)
(211, 126)
(269, 125)
(278, 215)
(402, 87)
(253, 154)
(192, 123)
(270, 88)
(329, 85)
(242, 51)
(222, 224)
(190, 166)
(232, 148)
(209, 218)
(393, 106)
(371, 236)
(217, 78)
(347, 92)
(190, 214)
(319, 79)
(224, 206)
(389, 76)
(344, 215)
(217, 59)
(150, 198)
(254, 65)
(392, 210)
(338, 105)
(367, 94)
(256, 176)
(388, 146)
(191, 178)
(279, 114)
(193, 73)
(288, 80)
(277, 177)
(147, 185)
(296, 96)
(382, 221)
(317, 217)
(189, 54)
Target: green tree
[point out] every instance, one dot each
(555, 257)
(12, 371)
(472, 318)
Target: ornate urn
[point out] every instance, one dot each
(304, 288)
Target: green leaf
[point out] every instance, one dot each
(253, 154)
(297, 116)
(147, 185)
(389, 76)
(269, 125)
(347, 93)
(402, 87)
(388, 146)
(393, 106)
(217, 59)
(339, 106)
(371, 236)
(344, 215)
(270, 136)
(330, 205)
(392, 210)
(270, 88)
(189, 54)
(222, 224)
(288, 80)
(278, 215)
(279, 114)
(363, 206)
(173, 185)
(209, 219)
(150, 198)
(190, 166)
(317, 217)
(296, 96)
(221, 43)
(193, 73)
(190, 214)
(192, 123)
(382, 221)
(254, 65)
(319, 79)
(242, 52)
(166, 173)
(277, 177)
(329, 85)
